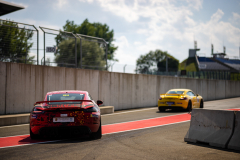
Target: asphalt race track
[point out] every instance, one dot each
(130, 134)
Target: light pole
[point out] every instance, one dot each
(124, 68)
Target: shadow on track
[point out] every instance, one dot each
(206, 145)
(58, 139)
(177, 110)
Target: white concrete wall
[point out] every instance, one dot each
(220, 89)
(22, 85)
(211, 89)
(125, 91)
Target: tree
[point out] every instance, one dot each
(95, 30)
(155, 61)
(14, 46)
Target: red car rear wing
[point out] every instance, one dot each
(63, 101)
(62, 105)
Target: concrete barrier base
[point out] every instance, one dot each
(16, 119)
(7, 120)
(235, 140)
(106, 109)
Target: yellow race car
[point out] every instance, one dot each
(179, 98)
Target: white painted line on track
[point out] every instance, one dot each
(31, 144)
(19, 125)
(129, 111)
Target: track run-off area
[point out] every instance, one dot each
(142, 133)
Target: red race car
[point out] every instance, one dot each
(66, 113)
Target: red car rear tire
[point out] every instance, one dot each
(32, 135)
(98, 134)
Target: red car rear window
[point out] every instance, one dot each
(65, 96)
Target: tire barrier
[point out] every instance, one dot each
(235, 140)
(214, 127)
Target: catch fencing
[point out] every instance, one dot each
(65, 49)
(18, 42)
(64, 56)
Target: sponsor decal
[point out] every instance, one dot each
(64, 105)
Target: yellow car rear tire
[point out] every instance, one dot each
(201, 104)
(189, 108)
(161, 109)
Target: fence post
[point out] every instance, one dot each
(80, 52)
(44, 50)
(76, 53)
(26, 49)
(80, 59)
(37, 46)
(44, 47)
(106, 56)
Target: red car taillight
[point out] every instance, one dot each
(37, 111)
(183, 98)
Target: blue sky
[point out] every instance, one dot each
(143, 25)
